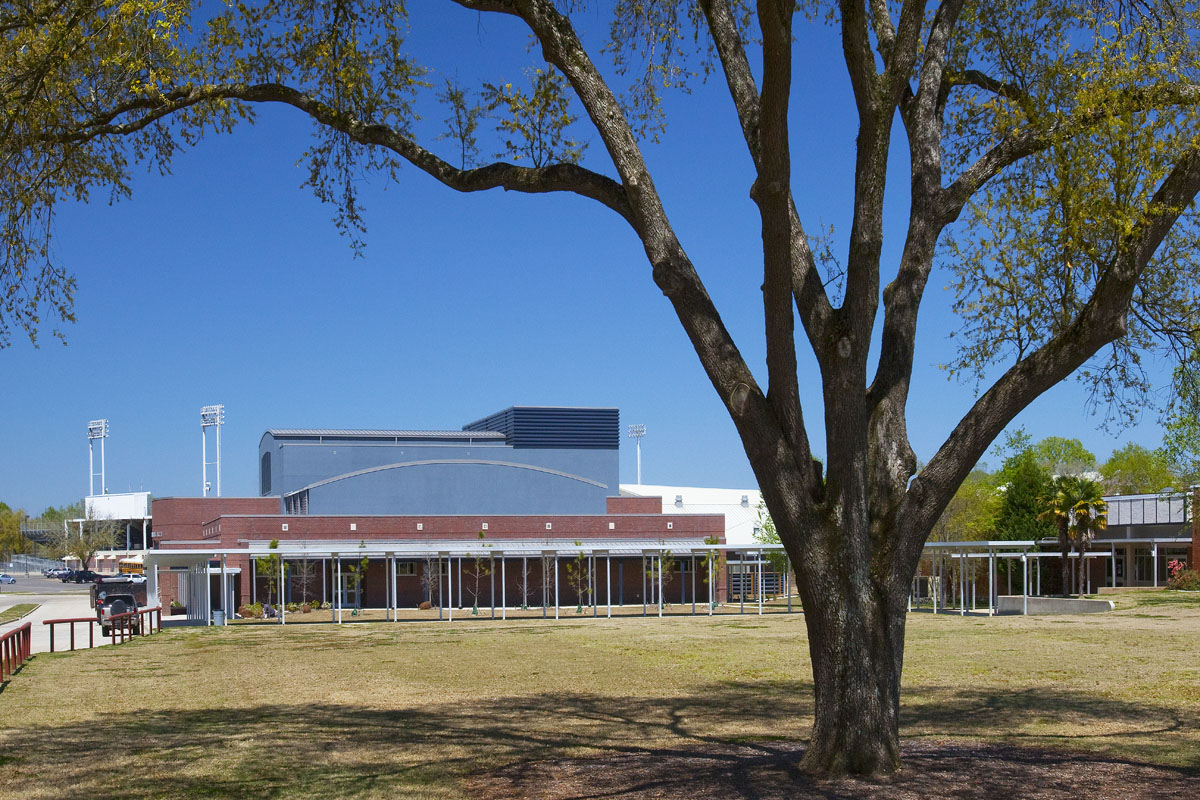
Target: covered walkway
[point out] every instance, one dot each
(951, 583)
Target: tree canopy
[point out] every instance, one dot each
(1134, 469)
(1049, 150)
(1026, 484)
(1061, 456)
(11, 540)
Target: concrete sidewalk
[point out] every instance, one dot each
(54, 606)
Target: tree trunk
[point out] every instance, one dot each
(856, 682)
(856, 641)
(1066, 565)
(1082, 583)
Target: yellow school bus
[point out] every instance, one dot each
(131, 566)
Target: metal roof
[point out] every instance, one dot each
(470, 548)
(384, 434)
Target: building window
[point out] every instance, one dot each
(264, 481)
(406, 568)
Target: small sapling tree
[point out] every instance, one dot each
(354, 577)
(480, 568)
(579, 575)
(431, 581)
(524, 586)
(268, 566)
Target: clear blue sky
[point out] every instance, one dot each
(226, 282)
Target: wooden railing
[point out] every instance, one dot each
(15, 647)
(121, 627)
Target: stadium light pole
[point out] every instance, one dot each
(210, 417)
(97, 429)
(636, 432)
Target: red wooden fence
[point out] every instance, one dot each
(15, 647)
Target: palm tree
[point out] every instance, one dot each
(1077, 509)
(1058, 504)
(1090, 515)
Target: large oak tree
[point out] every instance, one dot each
(1051, 159)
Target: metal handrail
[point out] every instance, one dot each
(15, 649)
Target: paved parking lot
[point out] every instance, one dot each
(35, 582)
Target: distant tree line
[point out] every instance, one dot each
(1011, 503)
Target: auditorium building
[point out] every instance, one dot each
(394, 518)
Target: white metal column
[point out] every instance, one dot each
(712, 582)
(787, 580)
(207, 592)
(991, 583)
(962, 584)
(556, 585)
(282, 594)
(660, 584)
(608, 582)
(1024, 584)
(503, 588)
(759, 567)
(692, 561)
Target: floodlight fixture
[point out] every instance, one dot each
(210, 417)
(636, 432)
(97, 430)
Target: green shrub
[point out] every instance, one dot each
(1187, 580)
(251, 610)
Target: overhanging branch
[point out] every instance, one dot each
(1101, 321)
(551, 178)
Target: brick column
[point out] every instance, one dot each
(1194, 560)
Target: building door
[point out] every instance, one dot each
(351, 590)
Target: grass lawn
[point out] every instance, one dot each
(16, 612)
(418, 710)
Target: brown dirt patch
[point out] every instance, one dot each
(970, 771)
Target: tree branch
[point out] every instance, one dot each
(1102, 320)
(772, 193)
(1031, 139)
(774, 455)
(812, 302)
(860, 63)
(902, 298)
(974, 77)
(738, 75)
(551, 178)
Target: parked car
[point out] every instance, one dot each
(85, 576)
(6, 578)
(112, 596)
(67, 576)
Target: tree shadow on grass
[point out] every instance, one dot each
(728, 740)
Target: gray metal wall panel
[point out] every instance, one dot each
(531, 426)
(449, 489)
(456, 489)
